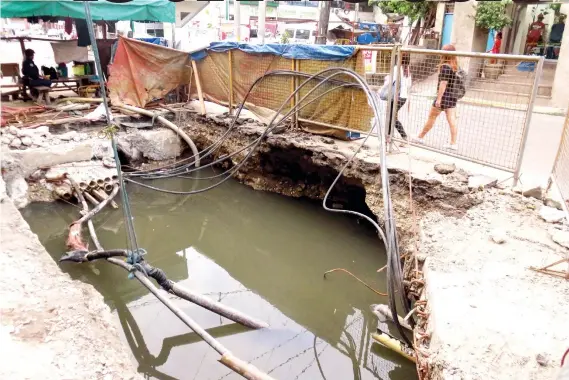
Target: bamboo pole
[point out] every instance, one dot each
(393, 344)
(198, 86)
(292, 90)
(230, 59)
(243, 368)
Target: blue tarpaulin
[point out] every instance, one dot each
(318, 52)
(154, 40)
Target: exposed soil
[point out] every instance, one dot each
(51, 326)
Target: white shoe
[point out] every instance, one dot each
(451, 146)
(417, 140)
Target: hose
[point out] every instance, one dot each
(394, 272)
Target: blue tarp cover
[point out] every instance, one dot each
(153, 40)
(292, 51)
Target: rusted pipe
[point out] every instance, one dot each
(102, 196)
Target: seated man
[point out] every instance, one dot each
(31, 73)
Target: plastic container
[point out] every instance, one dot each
(78, 70)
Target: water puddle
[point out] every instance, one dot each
(261, 253)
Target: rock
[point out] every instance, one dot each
(16, 143)
(498, 237)
(68, 136)
(27, 141)
(533, 192)
(551, 215)
(156, 144)
(542, 360)
(328, 140)
(13, 130)
(17, 190)
(7, 139)
(445, 168)
(481, 181)
(560, 237)
(41, 131)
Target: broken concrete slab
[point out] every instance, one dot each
(156, 144)
(561, 237)
(481, 181)
(551, 215)
(445, 168)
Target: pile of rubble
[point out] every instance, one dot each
(25, 138)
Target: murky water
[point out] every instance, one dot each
(261, 253)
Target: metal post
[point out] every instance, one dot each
(294, 99)
(89, 20)
(237, 20)
(389, 93)
(261, 23)
(395, 97)
(525, 134)
(230, 59)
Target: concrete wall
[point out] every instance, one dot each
(465, 35)
(439, 20)
(560, 91)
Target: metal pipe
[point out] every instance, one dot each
(527, 123)
(83, 185)
(114, 177)
(93, 184)
(100, 182)
(90, 198)
(508, 57)
(108, 187)
(107, 180)
(102, 196)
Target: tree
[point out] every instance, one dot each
(423, 12)
(492, 15)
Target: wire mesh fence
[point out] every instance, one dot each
(469, 105)
(560, 173)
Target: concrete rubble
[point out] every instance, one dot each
(490, 316)
(60, 327)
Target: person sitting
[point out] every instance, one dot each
(31, 74)
(535, 34)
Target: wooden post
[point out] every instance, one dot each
(199, 86)
(22, 47)
(230, 58)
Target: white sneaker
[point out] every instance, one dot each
(417, 140)
(451, 146)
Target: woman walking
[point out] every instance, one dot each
(404, 87)
(446, 98)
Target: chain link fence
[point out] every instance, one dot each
(469, 105)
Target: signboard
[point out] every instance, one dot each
(370, 61)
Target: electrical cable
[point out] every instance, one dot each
(394, 272)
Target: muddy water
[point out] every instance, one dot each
(259, 252)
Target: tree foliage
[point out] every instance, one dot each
(413, 10)
(492, 15)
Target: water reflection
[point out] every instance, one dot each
(260, 253)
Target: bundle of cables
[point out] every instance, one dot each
(388, 234)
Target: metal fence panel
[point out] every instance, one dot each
(491, 119)
(560, 173)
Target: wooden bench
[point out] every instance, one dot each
(11, 70)
(43, 94)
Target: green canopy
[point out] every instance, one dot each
(135, 10)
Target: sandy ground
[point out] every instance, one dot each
(51, 327)
(491, 316)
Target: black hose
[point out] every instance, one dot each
(394, 272)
